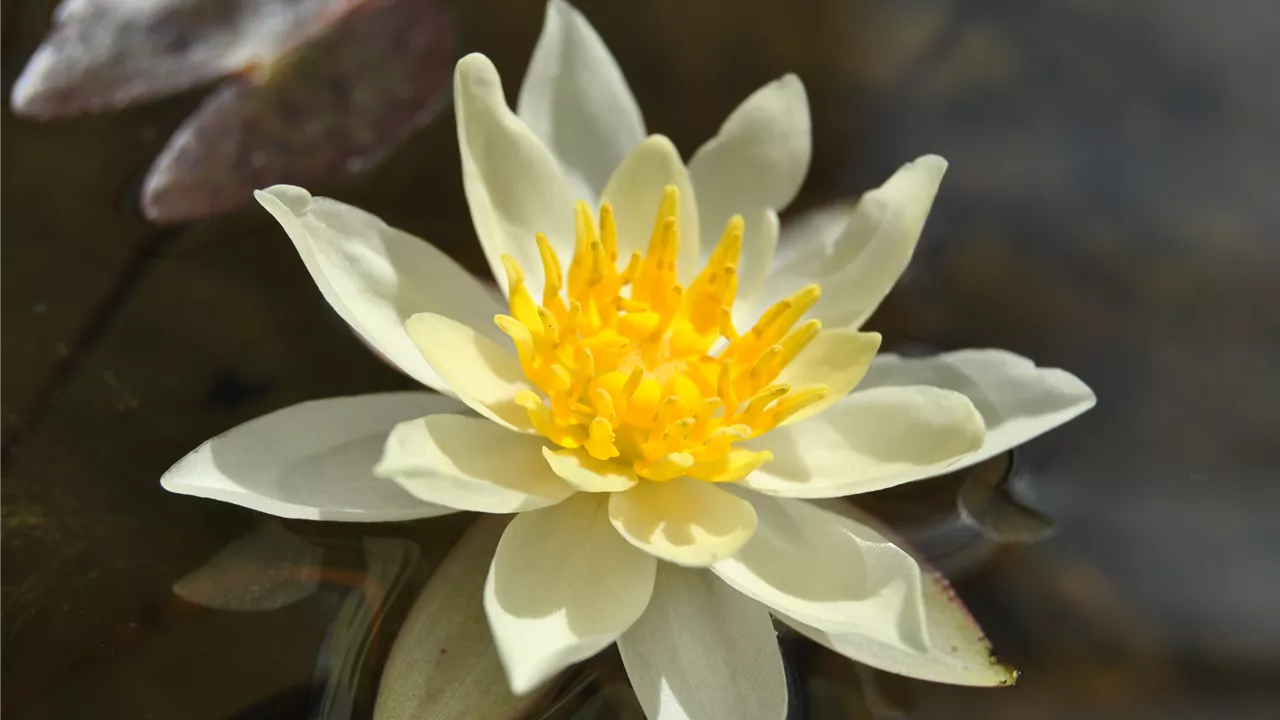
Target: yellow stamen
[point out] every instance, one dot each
(631, 364)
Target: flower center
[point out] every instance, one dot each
(644, 377)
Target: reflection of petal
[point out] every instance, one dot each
(337, 106)
(342, 658)
(104, 54)
(443, 665)
(265, 570)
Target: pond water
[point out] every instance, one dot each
(1109, 208)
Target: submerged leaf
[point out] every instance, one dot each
(264, 570)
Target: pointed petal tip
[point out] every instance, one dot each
(475, 68)
(292, 198)
(561, 6)
(934, 164)
(793, 83)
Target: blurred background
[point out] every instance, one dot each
(1111, 208)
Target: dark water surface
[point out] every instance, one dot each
(1111, 208)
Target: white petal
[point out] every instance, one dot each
(586, 473)
(576, 99)
(835, 358)
(958, 652)
(758, 248)
(703, 651)
(635, 190)
(312, 461)
(443, 664)
(829, 571)
(858, 252)
(376, 276)
(684, 521)
(483, 374)
(469, 463)
(1018, 400)
(756, 162)
(869, 440)
(513, 183)
(563, 587)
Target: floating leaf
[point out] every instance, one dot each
(335, 107)
(320, 88)
(443, 665)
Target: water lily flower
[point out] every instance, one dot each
(665, 400)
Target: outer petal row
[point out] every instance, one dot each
(1018, 400)
(376, 276)
(312, 461)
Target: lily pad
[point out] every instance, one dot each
(317, 89)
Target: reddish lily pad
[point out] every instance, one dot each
(335, 107)
(319, 88)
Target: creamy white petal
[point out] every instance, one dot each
(483, 374)
(514, 185)
(958, 652)
(756, 162)
(470, 463)
(857, 252)
(829, 571)
(588, 474)
(835, 358)
(376, 276)
(312, 461)
(1018, 400)
(563, 586)
(684, 521)
(869, 440)
(756, 264)
(703, 651)
(576, 99)
(635, 190)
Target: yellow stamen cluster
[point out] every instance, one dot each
(637, 377)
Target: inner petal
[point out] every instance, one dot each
(630, 366)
